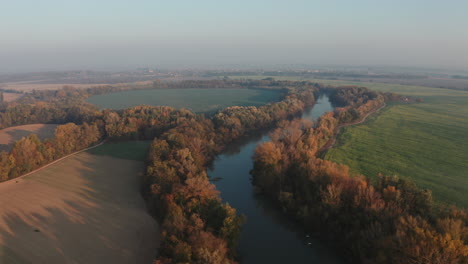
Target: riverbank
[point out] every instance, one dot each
(268, 236)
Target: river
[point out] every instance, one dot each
(268, 236)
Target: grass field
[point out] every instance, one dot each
(8, 136)
(426, 142)
(84, 209)
(132, 150)
(419, 141)
(197, 100)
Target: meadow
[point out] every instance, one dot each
(131, 150)
(426, 142)
(196, 100)
(82, 209)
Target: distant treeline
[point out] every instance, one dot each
(16, 114)
(315, 74)
(390, 221)
(11, 91)
(460, 77)
(68, 104)
(83, 93)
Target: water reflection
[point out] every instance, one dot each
(268, 236)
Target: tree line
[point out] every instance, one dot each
(68, 104)
(30, 153)
(196, 226)
(387, 221)
(140, 122)
(391, 221)
(70, 92)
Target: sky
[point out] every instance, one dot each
(117, 34)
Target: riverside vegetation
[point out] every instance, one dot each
(216, 224)
(424, 142)
(389, 221)
(196, 226)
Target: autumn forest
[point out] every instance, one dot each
(388, 220)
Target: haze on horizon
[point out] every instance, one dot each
(64, 35)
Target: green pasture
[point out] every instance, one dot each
(132, 150)
(426, 142)
(196, 100)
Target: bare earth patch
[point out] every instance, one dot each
(10, 97)
(8, 136)
(28, 86)
(84, 209)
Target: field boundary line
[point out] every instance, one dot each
(55, 161)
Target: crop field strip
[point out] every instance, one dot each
(197, 100)
(78, 210)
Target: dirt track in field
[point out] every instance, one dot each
(84, 209)
(8, 136)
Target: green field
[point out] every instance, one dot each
(132, 150)
(426, 142)
(419, 141)
(197, 100)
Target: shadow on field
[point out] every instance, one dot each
(43, 131)
(86, 209)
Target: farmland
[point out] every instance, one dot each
(426, 142)
(29, 86)
(410, 90)
(197, 100)
(421, 142)
(132, 150)
(8, 136)
(83, 209)
(10, 97)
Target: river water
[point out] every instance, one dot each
(268, 236)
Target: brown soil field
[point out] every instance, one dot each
(30, 85)
(8, 136)
(84, 209)
(10, 97)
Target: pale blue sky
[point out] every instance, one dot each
(102, 34)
